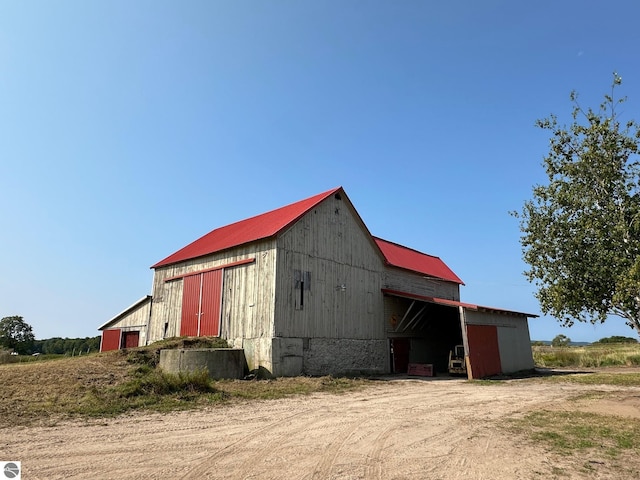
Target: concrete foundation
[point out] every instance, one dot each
(219, 362)
(332, 356)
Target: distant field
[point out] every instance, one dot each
(594, 355)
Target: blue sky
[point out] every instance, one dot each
(130, 128)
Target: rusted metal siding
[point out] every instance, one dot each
(331, 249)
(110, 340)
(247, 293)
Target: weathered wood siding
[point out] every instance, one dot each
(134, 319)
(247, 293)
(329, 277)
(410, 282)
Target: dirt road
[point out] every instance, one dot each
(400, 429)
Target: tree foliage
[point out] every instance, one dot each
(560, 341)
(617, 339)
(67, 346)
(16, 334)
(581, 231)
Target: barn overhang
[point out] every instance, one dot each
(415, 316)
(455, 303)
(481, 340)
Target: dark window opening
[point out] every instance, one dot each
(301, 294)
(302, 282)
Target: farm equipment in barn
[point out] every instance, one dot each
(457, 363)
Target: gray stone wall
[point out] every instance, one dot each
(331, 356)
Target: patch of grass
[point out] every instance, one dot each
(617, 379)
(595, 355)
(150, 389)
(569, 433)
(288, 386)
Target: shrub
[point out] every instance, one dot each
(153, 382)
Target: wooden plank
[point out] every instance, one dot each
(420, 369)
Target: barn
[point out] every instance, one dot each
(306, 289)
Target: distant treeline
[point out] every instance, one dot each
(67, 346)
(614, 339)
(617, 339)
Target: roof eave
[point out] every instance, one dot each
(144, 299)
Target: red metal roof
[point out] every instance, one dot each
(454, 303)
(409, 259)
(255, 228)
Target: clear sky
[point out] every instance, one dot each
(130, 128)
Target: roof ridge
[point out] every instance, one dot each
(405, 247)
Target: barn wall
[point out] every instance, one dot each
(328, 288)
(515, 347)
(410, 282)
(247, 296)
(513, 338)
(135, 319)
(341, 297)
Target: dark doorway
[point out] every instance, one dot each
(400, 348)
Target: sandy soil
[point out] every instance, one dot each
(405, 428)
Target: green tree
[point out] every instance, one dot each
(16, 334)
(581, 231)
(617, 339)
(560, 341)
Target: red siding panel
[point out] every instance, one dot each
(130, 339)
(110, 340)
(190, 306)
(484, 352)
(211, 303)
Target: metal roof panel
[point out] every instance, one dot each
(409, 259)
(261, 226)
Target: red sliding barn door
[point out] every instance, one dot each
(201, 304)
(484, 351)
(191, 296)
(110, 340)
(211, 303)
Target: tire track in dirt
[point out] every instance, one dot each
(374, 468)
(201, 470)
(399, 429)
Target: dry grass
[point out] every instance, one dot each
(111, 383)
(42, 389)
(595, 355)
